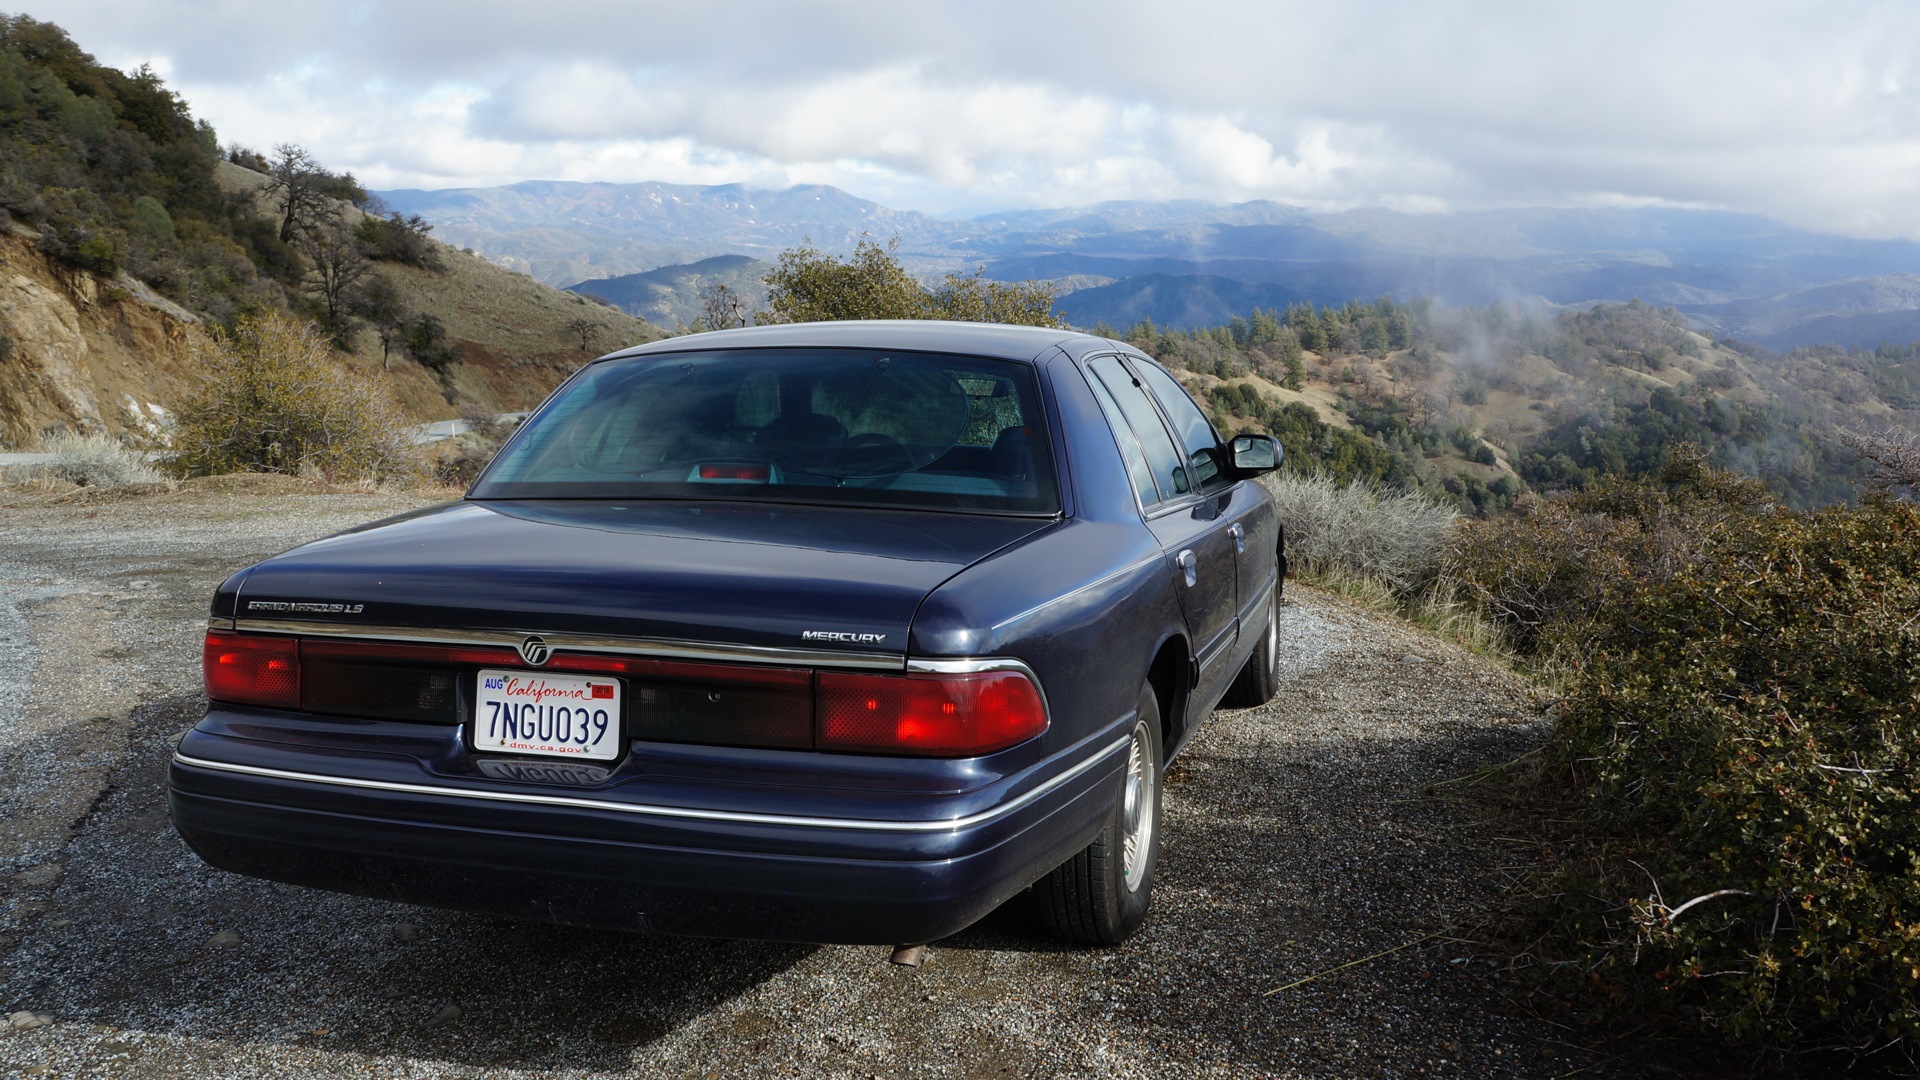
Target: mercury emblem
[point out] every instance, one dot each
(534, 650)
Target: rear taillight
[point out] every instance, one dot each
(940, 715)
(922, 715)
(252, 670)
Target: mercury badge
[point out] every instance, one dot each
(535, 650)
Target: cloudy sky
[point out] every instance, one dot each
(1809, 112)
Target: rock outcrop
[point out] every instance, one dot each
(84, 354)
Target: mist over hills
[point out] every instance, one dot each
(1187, 263)
(562, 232)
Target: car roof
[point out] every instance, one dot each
(995, 340)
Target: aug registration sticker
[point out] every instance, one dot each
(523, 712)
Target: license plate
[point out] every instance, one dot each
(524, 712)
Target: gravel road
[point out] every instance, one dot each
(1297, 835)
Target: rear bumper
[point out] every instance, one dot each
(387, 828)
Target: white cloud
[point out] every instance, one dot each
(1807, 112)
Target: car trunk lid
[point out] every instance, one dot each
(795, 584)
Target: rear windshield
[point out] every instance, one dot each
(916, 430)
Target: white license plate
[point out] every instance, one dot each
(532, 712)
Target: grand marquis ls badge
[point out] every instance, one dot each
(306, 607)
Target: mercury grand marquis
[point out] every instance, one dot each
(837, 633)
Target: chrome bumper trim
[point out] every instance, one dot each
(677, 812)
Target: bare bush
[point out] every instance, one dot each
(99, 461)
(1893, 457)
(459, 460)
(587, 330)
(724, 307)
(273, 399)
(1363, 530)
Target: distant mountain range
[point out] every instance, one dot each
(1187, 263)
(670, 295)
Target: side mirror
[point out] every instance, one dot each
(1255, 454)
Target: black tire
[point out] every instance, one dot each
(1091, 899)
(1257, 682)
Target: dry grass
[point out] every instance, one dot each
(99, 461)
(1363, 530)
(1439, 608)
(1383, 549)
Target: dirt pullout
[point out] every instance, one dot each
(60, 744)
(1299, 838)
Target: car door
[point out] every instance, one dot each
(1248, 516)
(1186, 520)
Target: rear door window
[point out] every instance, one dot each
(1162, 455)
(1137, 469)
(1192, 427)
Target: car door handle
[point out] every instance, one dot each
(1239, 534)
(1190, 565)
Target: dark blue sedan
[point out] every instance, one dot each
(839, 633)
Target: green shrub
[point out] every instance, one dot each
(400, 239)
(425, 338)
(1542, 575)
(1548, 575)
(273, 399)
(153, 218)
(807, 285)
(1744, 737)
(98, 253)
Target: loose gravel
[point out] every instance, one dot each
(1298, 839)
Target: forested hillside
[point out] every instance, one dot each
(1483, 403)
(127, 232)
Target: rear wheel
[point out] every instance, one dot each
(1100, 896)
(1257, 682)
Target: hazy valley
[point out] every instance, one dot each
(1189, 264)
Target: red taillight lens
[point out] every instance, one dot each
(252, 670)
(928, 715)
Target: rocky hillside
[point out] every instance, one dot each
(82, 353)
(91, 352)
(125, 231)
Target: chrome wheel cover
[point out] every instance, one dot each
(1136, 809)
